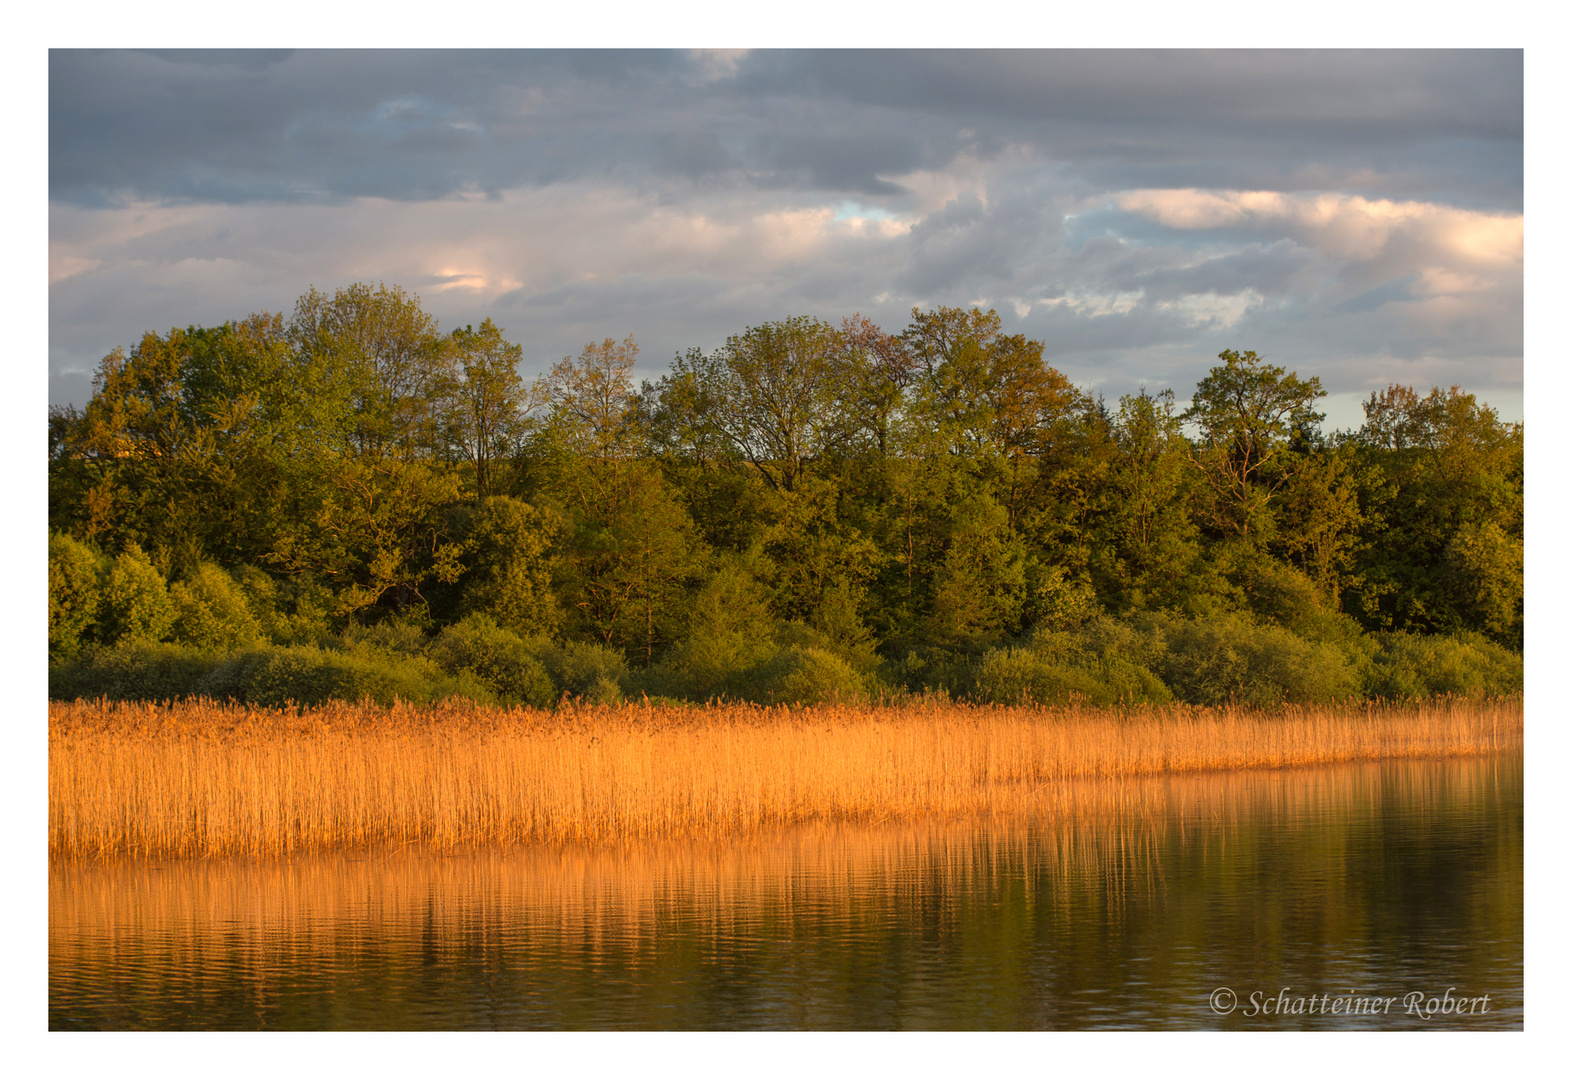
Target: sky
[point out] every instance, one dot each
(1353, 215)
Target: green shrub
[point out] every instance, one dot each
(931, 671)
(1060, 667)
(135, 600)
(1279, 593)
(1141, 640)
(212, 612)
(308, 675)
(1406, 665)
(132, 671)
(398, 638)
(497, 657)
(589, 671)
(74, 595)
(799, 676)
(1022, 676)
(856, 648)
(1232, 659)
(289, 611)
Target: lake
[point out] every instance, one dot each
(1370, 896)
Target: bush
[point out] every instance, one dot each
(268, 675)
(396, 638)
(211, 611)
(589, 671)
(135, 602)
(799, 676)
(74, 595)
(308, 675)
(1022, 676)
(1090, 666)
(928, 670)
(1232, 659)
(133, 671)
(498, 658)
(1277, 592)
(294, 611)
(1142, 640)
(1405, 665)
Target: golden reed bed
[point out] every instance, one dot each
(1090, 843)
(202, 779)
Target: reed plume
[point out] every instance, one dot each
(204, 779)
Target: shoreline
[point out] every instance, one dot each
(200, 780)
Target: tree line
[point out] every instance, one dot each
(896, 506)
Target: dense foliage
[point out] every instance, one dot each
(347, 503)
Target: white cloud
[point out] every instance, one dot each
(712, 64)
(560, 264)
(1341, 225)
(1211, 310)
(1092, 305)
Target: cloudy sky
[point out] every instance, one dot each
(1352, 215)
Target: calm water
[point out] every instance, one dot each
(1120, 905)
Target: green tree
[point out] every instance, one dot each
(1444, 514)
(728, 631)
(725, 496)
(376, 355)
(1320, 520)
(629, 565)
(511, 558)
(992, 390)
(591, 400)
(810, 547)
(485, 409)
(776, 397)
(202, 444)
(380, 534)
(1146, 547)
(978, 589)
(682, 412)
(872, 372)
(1482, 572)
(993, 401)
(594, 418)
(1247, 412)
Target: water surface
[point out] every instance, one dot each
(1238, 901)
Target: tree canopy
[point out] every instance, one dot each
(908, 498)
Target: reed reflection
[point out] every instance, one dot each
(1106, 904)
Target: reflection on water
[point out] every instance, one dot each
(1118, 905)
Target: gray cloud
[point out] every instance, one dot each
(414, 124)
(1101, 201)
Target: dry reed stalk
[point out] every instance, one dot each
(1092, 840)
(202, 779)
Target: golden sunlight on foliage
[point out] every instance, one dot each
(203, 779)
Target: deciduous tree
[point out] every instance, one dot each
(1247, 411)
(486, 404)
